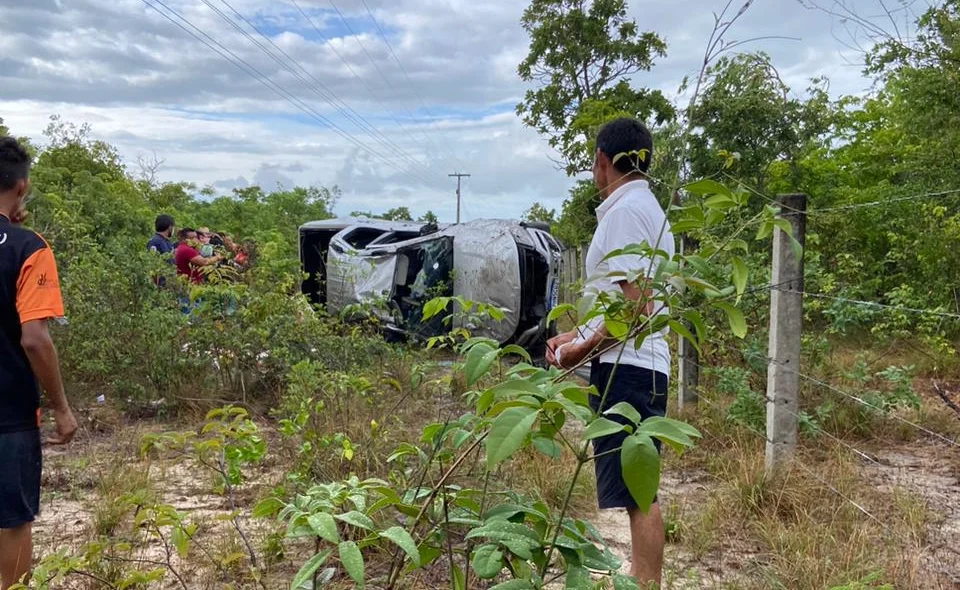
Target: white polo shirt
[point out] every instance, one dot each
(630, 215)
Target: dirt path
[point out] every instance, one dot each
(926, 471)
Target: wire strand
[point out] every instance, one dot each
(457, 163)
(294, 67)
(796, 462)
(902, 308)
(850, 396)
(261, 78)
(887, 201)
(366, 84)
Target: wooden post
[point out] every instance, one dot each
(786, 319)
(688, 365)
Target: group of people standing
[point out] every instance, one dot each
(622, 371)
(195, 249)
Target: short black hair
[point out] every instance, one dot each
(163, 223)
(182, 234)
(14, 163)
(630, 137)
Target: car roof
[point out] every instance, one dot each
(345, 222)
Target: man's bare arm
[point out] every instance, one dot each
(45, 363)
(631, 292)
(201, 261)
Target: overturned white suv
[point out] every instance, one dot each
(400, 266)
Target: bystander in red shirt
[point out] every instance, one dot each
(182, 256)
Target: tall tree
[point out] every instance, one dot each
(582, 55)
(537, 212)
(748, 109)
(397, 214)
(429, 217)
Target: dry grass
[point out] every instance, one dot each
(804, 530)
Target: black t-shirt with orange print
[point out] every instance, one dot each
(29, 291)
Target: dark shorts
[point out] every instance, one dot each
(645, 390)
(21, 461)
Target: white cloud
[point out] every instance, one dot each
(147, 86)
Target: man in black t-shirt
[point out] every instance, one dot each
(29, 298)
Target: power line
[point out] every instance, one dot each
(403, 70)
(850, 396)
(261, 78)
(363, 81)
(836, 439)
(823, 481)
(317, 87)
(902, 308)
(888, 201)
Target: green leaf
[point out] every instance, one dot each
(720, 202)
(707, 186)
(784, 226)
(684, 333)
(668, 431)
(616, 328)
(517, 350)
(402, 539)
(602, 427)
(181, 541)
(627, 411)
(696, 320)
(560, 311)
(484, 401)
(478, 362)
(622, 582)
(503, 530)
(352, 561)
(578, 578)
(520, 548)
(640, 465)
(547, 446)
(514, 585)
(595, 559)
(507, 433)
(357, 519)
(585, 304)
(737, 322)
(267, 507)
(686, 225)
(324, 526)
(487, 561)
(459, 578)
(766, 228)
(306, 572)
(740, 275)
(435, 306)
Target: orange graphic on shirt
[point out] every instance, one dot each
(38, 288)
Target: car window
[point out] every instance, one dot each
(396, 236)
(362, 236)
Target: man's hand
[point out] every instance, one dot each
(571, 354)
(556, 342)
(66, 427)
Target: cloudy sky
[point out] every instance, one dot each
(383, 98)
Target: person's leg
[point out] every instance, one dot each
(22, 458)
(16, 554)
(647, 539)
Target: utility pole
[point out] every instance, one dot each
(458, 177)
(786, 320)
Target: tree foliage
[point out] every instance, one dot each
(581, 55)
(537, 212)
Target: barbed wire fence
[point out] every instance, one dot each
(784, 296)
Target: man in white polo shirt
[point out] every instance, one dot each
(628, 214)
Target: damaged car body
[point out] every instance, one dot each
(399, 266)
